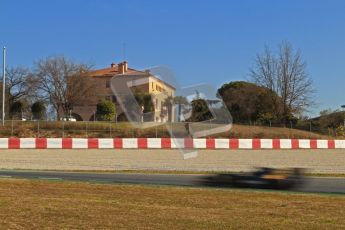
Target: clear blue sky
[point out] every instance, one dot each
(202, 41)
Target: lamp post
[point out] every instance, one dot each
(3, 84)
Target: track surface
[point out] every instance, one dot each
(313, 184)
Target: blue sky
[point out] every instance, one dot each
(203, 41)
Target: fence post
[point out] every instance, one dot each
(63, 129)
(86, 129)
(38, 128)
(12, 128)
(110, 129)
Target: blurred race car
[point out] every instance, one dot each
(263, 178)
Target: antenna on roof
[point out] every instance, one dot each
(124, 51)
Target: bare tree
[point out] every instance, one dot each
(64, 84)
(19, 83)
(294, 85)
(20, 87)
(284, 74)
(265, 71)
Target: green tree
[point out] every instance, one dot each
(249, 102)
(200, 111)
(38, 110)
(145, 100)
(168, 104)
(105, 111)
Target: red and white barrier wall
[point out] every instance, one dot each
(166, 143)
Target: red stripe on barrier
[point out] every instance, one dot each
(41, 143)
(66, 143)
(13, 143)
(276, 143)
(142, 143)
(256, 143)
(295, 144)
(92, 143)
(166, 143)
(118, 143)
(210, 143)
(331, 144)
(234, 143)
(313, 144)
(188, 143)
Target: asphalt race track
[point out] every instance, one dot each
(313, 184)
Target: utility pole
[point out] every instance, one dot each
(3, 84)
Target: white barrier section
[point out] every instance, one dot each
(199, 143)
(79, 143)
(154, 143)
(245, 143)
(28, 143)
(54, 143)
(266, 143)
(285, 144)
(221, 143)
(339, 144)
(304, 144)
(3, 143)
(322, 144)
(177, 143)
(129, 143)
(105, 143)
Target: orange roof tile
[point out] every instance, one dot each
(111, 71)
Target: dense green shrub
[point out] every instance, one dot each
(105, 111)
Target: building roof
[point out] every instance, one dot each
(114, 70)
(111, 71)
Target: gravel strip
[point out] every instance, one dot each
(317, 161)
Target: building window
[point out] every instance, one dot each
(113, 98)
(107, 84)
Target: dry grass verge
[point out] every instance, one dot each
(125, 129)
(28, 204)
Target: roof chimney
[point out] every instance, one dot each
(125, 63)
(113, 65)
(121, 68)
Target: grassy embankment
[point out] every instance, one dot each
(106, 130)
(28, 204)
